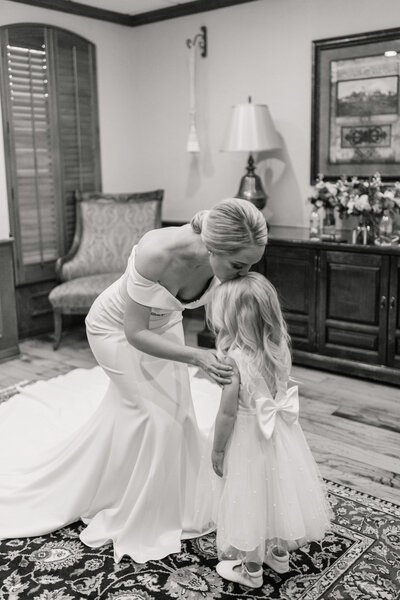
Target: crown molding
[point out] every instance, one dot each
(83, 10)
(173, 12)
(182, 10)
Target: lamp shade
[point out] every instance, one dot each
(250, 128)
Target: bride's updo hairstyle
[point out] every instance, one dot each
(231, 225)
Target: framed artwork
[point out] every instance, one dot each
(356, 106)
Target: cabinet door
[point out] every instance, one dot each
(293, 272)
(35, 314)
(394, 314)
(8, 315)
(353, 306)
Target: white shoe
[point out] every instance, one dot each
(236, 571)
(279, 564)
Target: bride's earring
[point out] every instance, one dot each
(209, 252)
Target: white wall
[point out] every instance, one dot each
(261, 48)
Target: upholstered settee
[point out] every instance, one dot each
(107, 227)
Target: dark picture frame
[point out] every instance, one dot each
(355, 116)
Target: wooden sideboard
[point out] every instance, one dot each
(8, 314)
(341, 302)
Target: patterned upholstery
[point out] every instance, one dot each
(77, 295)
(111, 229)
(108, 226)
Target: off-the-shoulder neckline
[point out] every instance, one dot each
(211, 283)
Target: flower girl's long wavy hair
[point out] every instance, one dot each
(246, 313)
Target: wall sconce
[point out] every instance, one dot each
(202, 39)
(250, 129)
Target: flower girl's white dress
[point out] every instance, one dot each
(126, 463)
(272, 491)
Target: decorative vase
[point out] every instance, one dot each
(385, 230)
(315, 224)
(364, 233)
(329, 223)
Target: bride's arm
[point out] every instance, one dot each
(138, 334)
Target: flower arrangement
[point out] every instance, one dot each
(365, 197)
(324, 194)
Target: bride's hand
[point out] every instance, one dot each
(220, 371)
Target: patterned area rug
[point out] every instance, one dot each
(358, 560)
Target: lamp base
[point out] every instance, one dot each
(251, 188)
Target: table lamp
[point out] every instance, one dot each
(250, 129)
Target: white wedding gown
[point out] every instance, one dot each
(120, 448)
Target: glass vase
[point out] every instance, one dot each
(364, 233)
(329, 223)
(315, 224)
(385, 229)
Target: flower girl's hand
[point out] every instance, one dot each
(217, 459)
(221, 372)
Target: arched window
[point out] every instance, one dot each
(50, 117)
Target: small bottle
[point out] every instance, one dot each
(386, 228)
(315, 224)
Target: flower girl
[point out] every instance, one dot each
(272, 499)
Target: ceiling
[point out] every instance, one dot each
(132, 12)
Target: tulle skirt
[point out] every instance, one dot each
(271, 492)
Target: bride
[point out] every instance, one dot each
(130, 470)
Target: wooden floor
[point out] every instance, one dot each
(352, 425)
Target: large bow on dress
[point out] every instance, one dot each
(287, 408)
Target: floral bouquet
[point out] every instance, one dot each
(367, 198)
(324, 194)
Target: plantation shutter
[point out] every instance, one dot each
(78, 130)
(32, 155)
(52, 147)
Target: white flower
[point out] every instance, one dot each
(389, 194)
(350, 206)
(331, 188)
(362, 203)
